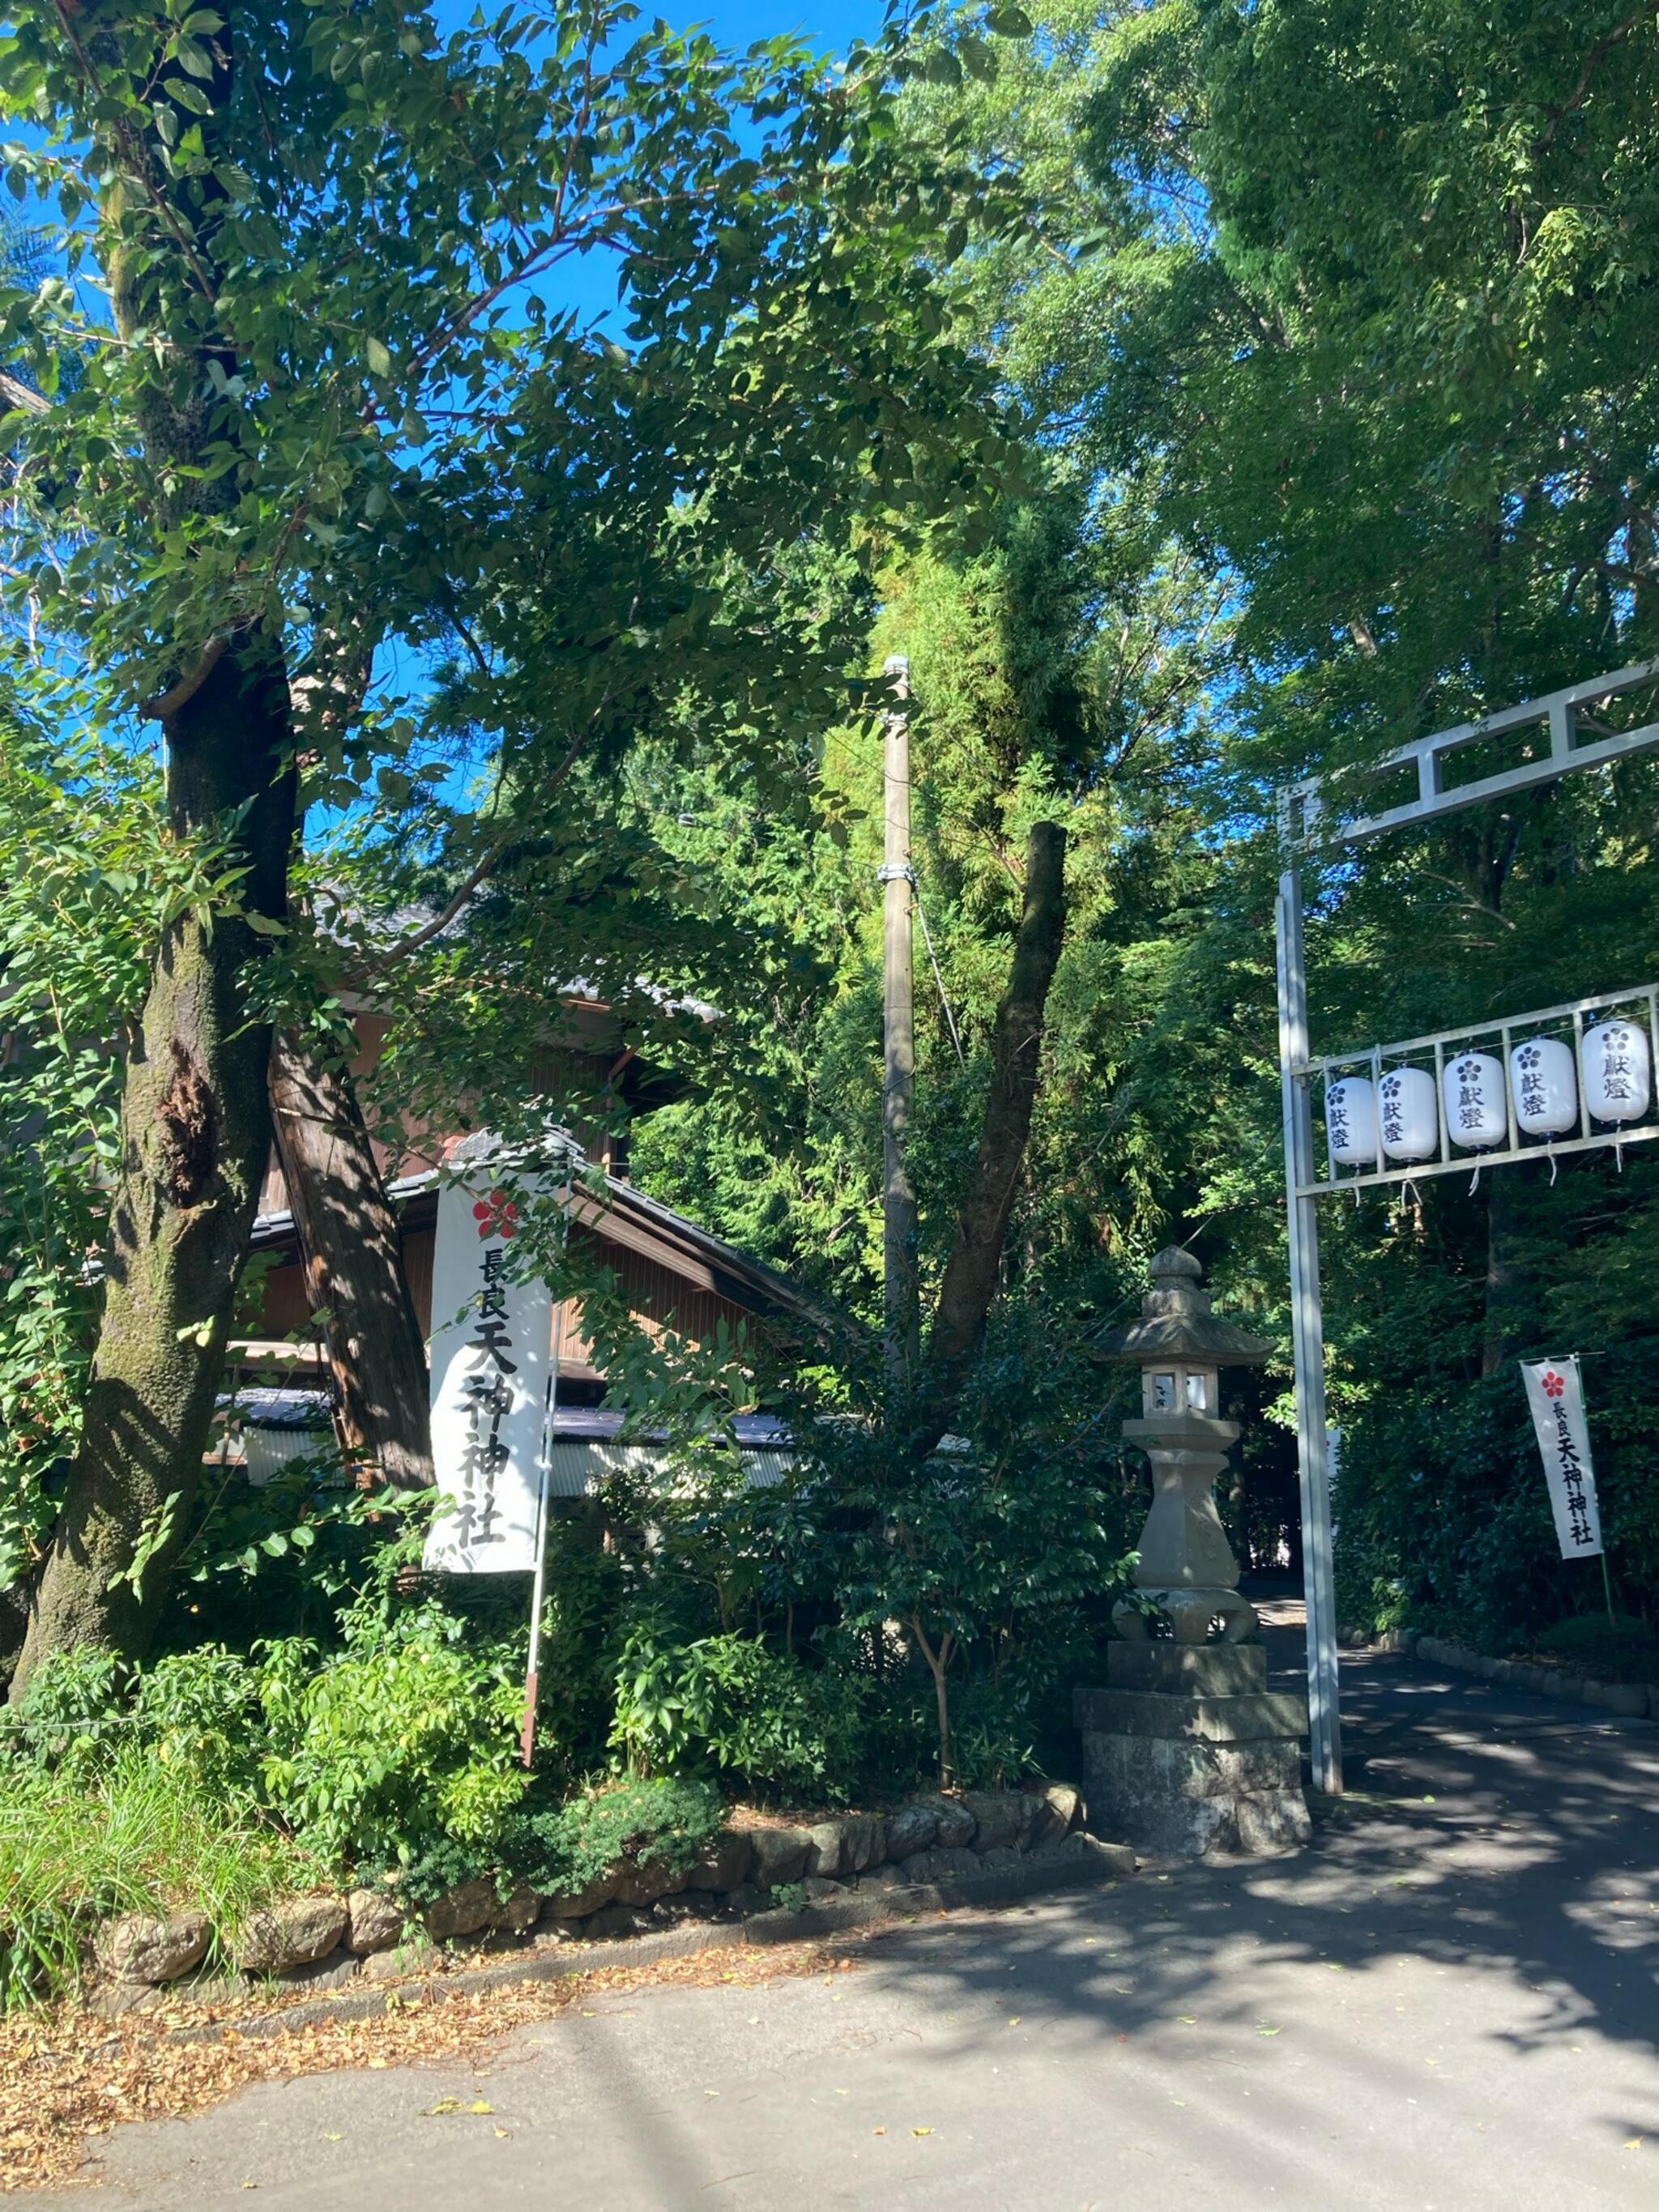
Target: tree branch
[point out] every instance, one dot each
(1593, 61)
(174, 701)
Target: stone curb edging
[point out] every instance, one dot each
(322, 1939)
(1635, 1700)
(1061, 1866)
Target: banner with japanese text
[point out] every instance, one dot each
(491, 1360)
(1556, 1396)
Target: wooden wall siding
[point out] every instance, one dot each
(284, 1311)
(417, 1265)
(657, 1294)
(661, 1299)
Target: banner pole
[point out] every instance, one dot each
(537, 1593)
(538, 1581)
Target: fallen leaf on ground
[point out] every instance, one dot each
(921, 2132)
(129, 2070)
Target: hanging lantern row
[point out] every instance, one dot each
(1397, 1117)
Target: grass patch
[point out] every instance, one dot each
(137, 1836)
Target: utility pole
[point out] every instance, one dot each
(898, 1015)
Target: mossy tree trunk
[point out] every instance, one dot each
(195, 1137)
(973, 1266)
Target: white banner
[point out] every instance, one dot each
(491, 1360)
(1557, 1399)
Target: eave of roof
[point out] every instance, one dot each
(734, 1275)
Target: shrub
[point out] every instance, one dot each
(559, 1852)
(377, 1753)
(73, 1702)
(729, 1702)
(1623, 1650)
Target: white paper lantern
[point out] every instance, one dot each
(1618, 1071)
(1406, 1109)
(1473, 1085)
(1351, 1122)
(1542, 1081)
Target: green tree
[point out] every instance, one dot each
(330, 383)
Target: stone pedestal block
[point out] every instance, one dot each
(1186, 1750)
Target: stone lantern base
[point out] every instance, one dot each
(1187, 1751)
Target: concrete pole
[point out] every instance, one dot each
(899, 1016)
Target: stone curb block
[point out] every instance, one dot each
(1053, 1867)
(1634, 1701)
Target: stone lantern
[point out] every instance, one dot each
(1186, 1565)
(1186, 1750)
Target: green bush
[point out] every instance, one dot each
(731, 1703)
(559, 1852)
(377, 1753)
(1624, 1650)
(74, 1703)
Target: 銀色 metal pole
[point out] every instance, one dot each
(1312, 1442)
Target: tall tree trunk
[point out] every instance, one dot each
(971, 1270)
(195, 1134)
(353, 1266)
(1504, 1277)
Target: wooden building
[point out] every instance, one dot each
(673, 1272)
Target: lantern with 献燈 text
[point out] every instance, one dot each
(1542, 1084)
(1616, 1067)
(1407, 1115)
(1351, 1122)
(1472, 1088)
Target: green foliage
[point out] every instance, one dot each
(131, 1833)
(1617, 1650)
(135, 1795)
(376, 1750)
(634, 1821)
(72, 1708)
(782, 1729)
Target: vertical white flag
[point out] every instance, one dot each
(1557, 1399)
(491, 1357)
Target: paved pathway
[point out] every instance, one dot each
(1448, 2001)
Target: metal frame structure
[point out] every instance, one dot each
(1497, 1036)
(1557, 734)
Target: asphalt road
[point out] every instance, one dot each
(1448, 2002)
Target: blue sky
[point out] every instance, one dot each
(590, 285)
(826, 22)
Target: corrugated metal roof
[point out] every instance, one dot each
(577, 1465)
